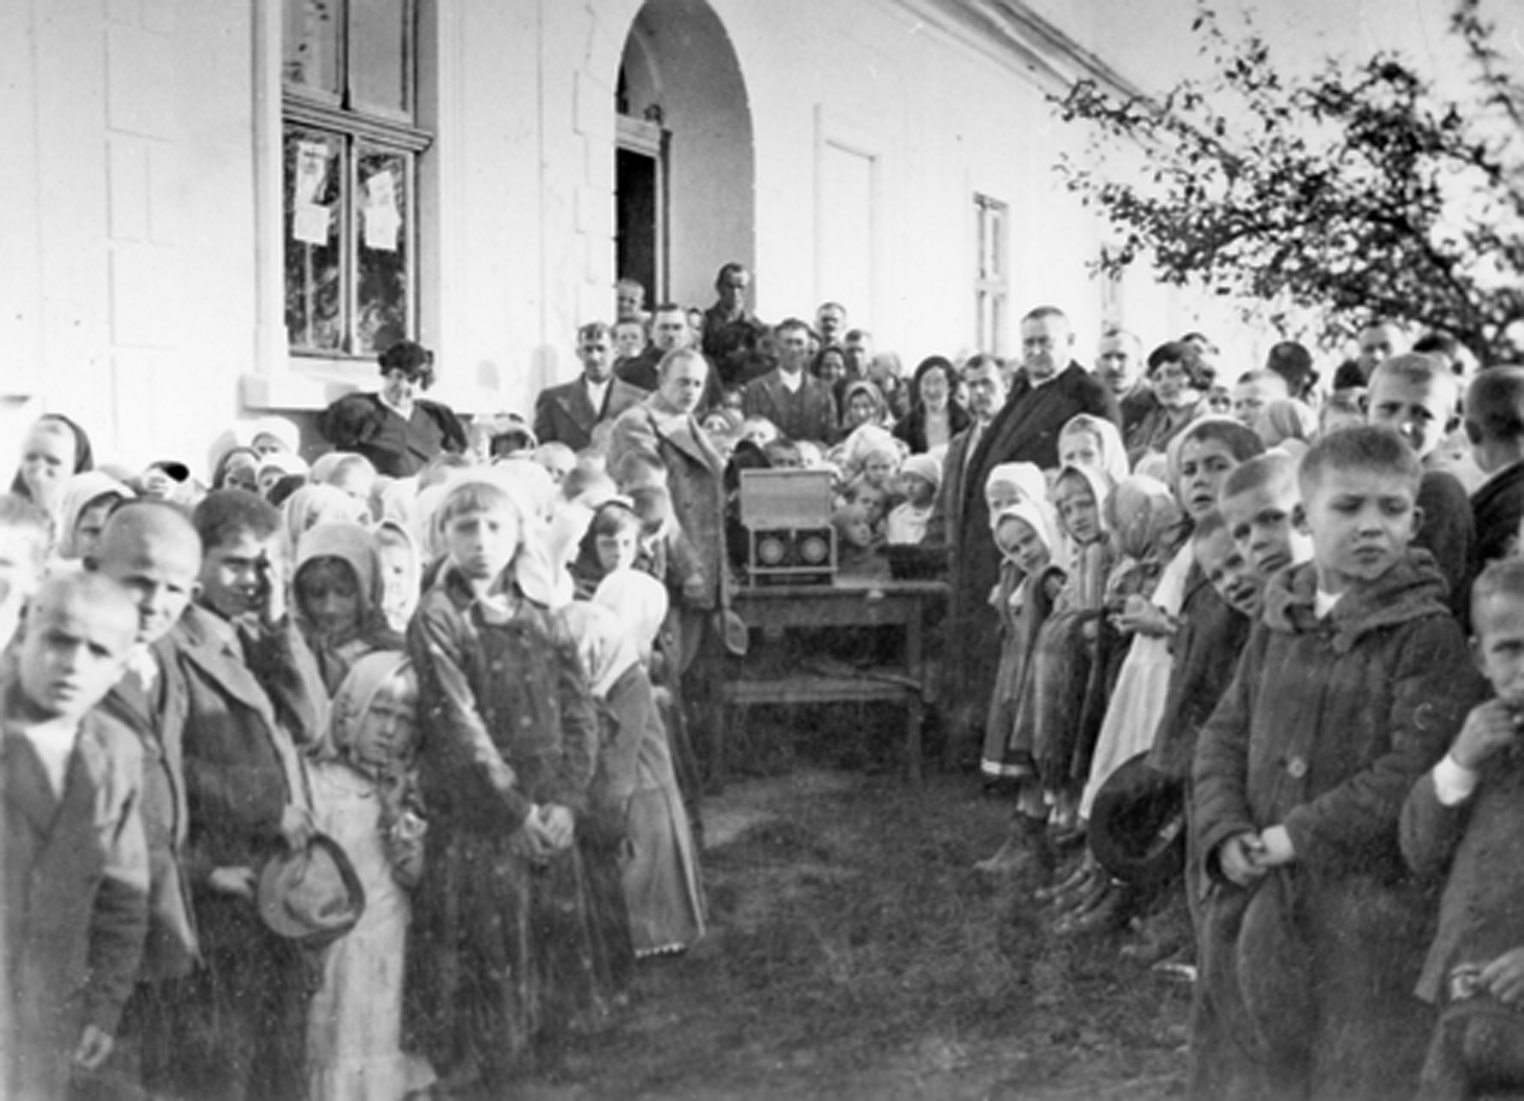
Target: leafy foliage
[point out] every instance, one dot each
(1357, 191)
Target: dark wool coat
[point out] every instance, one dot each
(499, 937)
(942, 528)
(75, 902)
(158, 719)
(1448, 532)
(1497, 506)
(243, 703)
(911, 428)
(1477, 843)
(564, 414)
(1307, 976)
(1025, 430)
(695, 479)
(806, 414)
(1206, 650)
(396, 447)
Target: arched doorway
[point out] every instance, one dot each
(685, 176)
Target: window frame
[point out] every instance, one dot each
(992, 219)
(306, 107)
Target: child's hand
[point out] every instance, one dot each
(1504, 977)
(695, 587)
(1139, 616)
(559, 825)
(94, 1046)
(238, 882)
(1239, 858)
(1274, 848)
(272, 590)
(1491, 727)
(296, 826)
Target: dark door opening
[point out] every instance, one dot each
(640, 208)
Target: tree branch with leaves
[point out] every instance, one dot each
(1361, 190)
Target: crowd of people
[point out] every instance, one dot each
(372, 777)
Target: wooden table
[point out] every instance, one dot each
(847, 602)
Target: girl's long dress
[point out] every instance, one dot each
(354, 1028)
(1022, 606)
(1137, 701)
(506, 947)
(662, 889)
(1051, 711)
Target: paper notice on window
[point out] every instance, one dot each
(383, 223)
(309, 224)
(311, 172)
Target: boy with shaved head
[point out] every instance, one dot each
(1351, 685)
(1495, 427)
(151, 549)
(75, 865)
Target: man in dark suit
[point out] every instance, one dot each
(793, 399)
(984, 382)
(569, 413)
(1049, 389)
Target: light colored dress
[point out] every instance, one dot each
(1137, 702)
(354, 1029)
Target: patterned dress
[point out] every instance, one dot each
(505, 947)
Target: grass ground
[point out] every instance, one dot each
(855, 953)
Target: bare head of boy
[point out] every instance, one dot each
(1359, 493)
(1204, 455)
(1226, 569)
(79, 631)
(1497, 640)
(1415, 396)
(1495, 417)
(1255, 390)
(152, 550)
(1261, 506)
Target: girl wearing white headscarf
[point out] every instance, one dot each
(1026, 533)
(635, 779)
(364, 797)
(83, 505)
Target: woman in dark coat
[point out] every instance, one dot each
(395, 429)
(934, 417)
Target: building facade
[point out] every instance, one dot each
(222, 208)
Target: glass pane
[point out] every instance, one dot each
(383, 230)
(310, 41)
(314, 183)
(380, 34)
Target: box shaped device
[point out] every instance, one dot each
(787, 515)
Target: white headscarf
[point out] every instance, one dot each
(639, 600)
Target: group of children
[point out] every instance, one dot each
(1283, 633)
(469, 685)
(342, 799)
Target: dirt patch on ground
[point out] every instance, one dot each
(855, 953)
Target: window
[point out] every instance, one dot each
(990, 277)
(350, 146)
